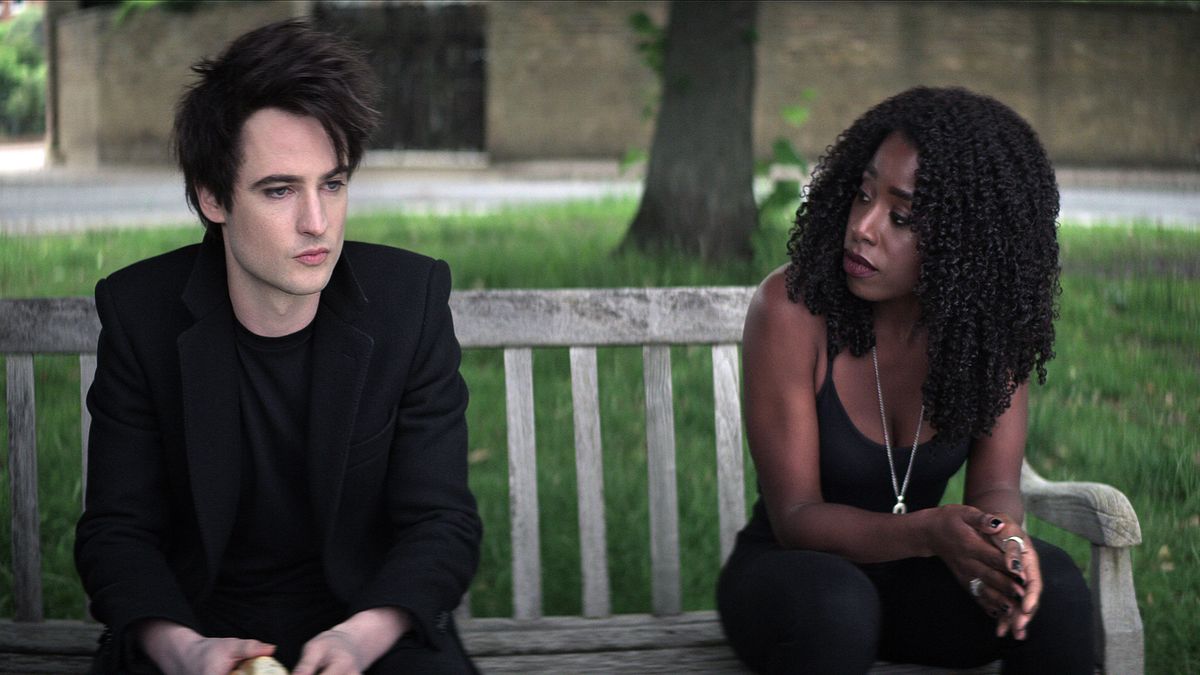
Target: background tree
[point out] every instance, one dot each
(699, 188)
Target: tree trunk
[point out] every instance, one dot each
(699, 190)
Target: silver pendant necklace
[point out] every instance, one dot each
(897, 488)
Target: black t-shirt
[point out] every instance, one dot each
(271, 584)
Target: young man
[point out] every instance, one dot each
(278, 446)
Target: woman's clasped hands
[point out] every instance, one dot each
(994, 560)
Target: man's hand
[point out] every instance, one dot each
(330, 652)
(353, 645)
(179, 650)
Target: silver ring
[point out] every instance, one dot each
(1020, 541)
(975, 586)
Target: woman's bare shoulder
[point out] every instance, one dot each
(774, 312)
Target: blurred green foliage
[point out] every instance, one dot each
(23, 74)
(129, 8)
(652, 40)
(787, 167)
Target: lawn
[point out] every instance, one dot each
(1122, 404)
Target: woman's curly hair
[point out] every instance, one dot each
(984, 212)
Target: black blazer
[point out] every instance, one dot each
(387, 440)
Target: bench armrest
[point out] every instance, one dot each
(1097, 512)
(1102, 515)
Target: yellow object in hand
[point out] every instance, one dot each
(260, 665)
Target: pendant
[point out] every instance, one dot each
(900, 508)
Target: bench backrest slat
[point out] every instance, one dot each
(22, 469)
(660, 466)
(589, 476)
(573, 317)
(48, 326)
(522, 484)
(614, 316)
(727, 410)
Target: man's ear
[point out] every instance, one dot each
(210, 206)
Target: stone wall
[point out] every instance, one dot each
(565, 79)
(119, 80)
(1104, 84)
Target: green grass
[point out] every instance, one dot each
(1121, 406)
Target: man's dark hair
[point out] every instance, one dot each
(287, 65)
(984, 213)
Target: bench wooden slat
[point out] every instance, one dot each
(53, 636)
(689, 642)
(664, 502)
(493, 636)
(87, 374)
(675, 660)
(614, 316)
(727, 409)
(49, 325)
(22, 470)
(38, 664)
(490, 318)
(522, 484)
(589, 472)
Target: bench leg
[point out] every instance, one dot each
(1118, 625)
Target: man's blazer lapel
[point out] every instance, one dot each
(211, 411)
(341, 357)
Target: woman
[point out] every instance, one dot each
(896, 346)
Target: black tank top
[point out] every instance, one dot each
(854, 469)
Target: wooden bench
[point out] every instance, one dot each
(668, 639)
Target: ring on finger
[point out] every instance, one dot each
(975, 587)
(1020, 541)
